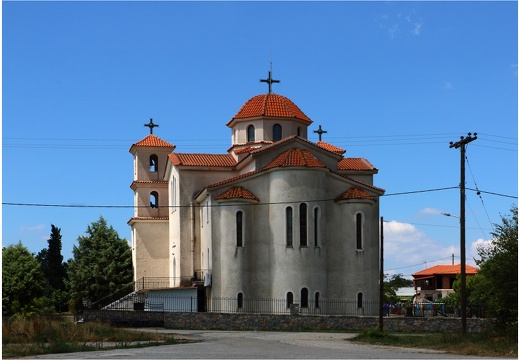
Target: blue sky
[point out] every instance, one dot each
(393, 82)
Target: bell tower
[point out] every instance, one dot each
(150, 219)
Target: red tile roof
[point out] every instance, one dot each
(237, 193)
(360, 164)
(213, 160)
(295, 157)
(445, 270)
(331, 147)
(153, 141)
(245, 150)
(355, 194)
(272, 105)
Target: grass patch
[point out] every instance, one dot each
(36, 336)
(470, 344)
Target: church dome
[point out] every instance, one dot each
(270, 105)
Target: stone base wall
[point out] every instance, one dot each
(213, 321)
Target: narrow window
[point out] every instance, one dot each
(317, 300)
(277, 132)
(154, 200)
(154, 163)
(250, 133)
(304, 298)
(289, 299)
(239, 229)
(316, 225)
(173, 198)
(360, 300)
(288, 226)
(298, 131)
(303, 224)
(240, 300)
(359, 231)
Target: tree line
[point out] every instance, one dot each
(45, 283)
(102, 265)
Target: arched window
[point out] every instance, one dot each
(239, 227)
(359, 231)
(277, 132)
(290, 299)
(154, 200)
(303, 224)
(289, 226)
(317, 300)
(250, 133)
(304, 298)
(316, 225)
(360, 300)
(240, 300)
(154, 163)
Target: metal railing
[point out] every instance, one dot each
(170, 303)
(282, 307)
(150, 283)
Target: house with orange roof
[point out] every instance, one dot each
(437, 281)
(274, 216)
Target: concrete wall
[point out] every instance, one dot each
(250, 322)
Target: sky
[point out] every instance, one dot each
(393, 82)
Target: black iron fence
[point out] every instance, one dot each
(155, 302)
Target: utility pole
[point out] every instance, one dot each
(463, 298)
(381, 280)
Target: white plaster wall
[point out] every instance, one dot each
(151, 248)
(360, 268)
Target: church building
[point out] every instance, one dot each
(273, 216)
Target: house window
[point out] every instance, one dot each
(360, 300)
(317, 300)
(298, 131)
(290, 299)
(250, 133)
(359, 231)
(239, 229)
(154, 163)
(303, 224)
(240, 300)
(277, 132)
(304, 298)
(316, 225)
(154, 200)
(289, 226)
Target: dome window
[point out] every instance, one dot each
(250, 133)
(277, 132)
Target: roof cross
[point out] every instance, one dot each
(269, 79)
(151, 125)
(319, 132)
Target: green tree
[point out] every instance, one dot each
(496, 284)
(101, 264)
(392, 284)
(22, 280)
(54, 270)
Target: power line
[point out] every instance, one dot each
(219, 205)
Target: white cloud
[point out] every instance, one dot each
(33, 228)
(429, 211)
(405, 246)
(473, 253)
(417, 29)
